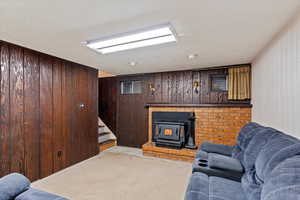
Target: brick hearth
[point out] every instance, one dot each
(219, 125)
(149, 149)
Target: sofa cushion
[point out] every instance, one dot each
(280, 156)
(12, 185)
(237, 153)
(284, 181)
(224, 162)
(275, 151)
(224, 189)
(33, 194)
(202, 154)
(202, 166)
(251, 187)
(259, 139)
(198, 187)
(216, 148)
(246, 134)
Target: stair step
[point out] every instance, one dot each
(105, 136)
(103, 133)
(107, 144)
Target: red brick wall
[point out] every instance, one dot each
(213, 124)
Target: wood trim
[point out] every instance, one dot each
(198, 105)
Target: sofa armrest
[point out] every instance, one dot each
(217, 148)
(12, 185)
(198, 187)
(225, 163)
(34, 194)
(200, 165)
(202, 155)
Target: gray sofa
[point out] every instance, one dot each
(17, 187)
(266, 160)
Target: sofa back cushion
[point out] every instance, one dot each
(251, 185)
(284, 181)
(275, 151)
(251, 188)
(256, 144)
(245, 136)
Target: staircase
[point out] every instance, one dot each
(106, 138)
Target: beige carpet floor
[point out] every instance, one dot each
(117, 175)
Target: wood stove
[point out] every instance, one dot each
(174, 129)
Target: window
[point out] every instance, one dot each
(218, 83)
(131, 87)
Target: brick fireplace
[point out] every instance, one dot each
(213, 123)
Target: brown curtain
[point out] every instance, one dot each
(239, 83)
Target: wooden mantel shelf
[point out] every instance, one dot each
(198, 105)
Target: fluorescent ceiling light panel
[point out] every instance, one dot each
(139, 44)
(153, 36)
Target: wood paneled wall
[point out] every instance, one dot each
(177, 88)
(108, 104)
(127, 113)
(43, 128)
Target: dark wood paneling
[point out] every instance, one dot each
(77, 141)
(165, 87)
(43, 130)
(131, 118)
(5, 154)
(204, 91)
(92, 106)
(123, 118)
(46, 115)
(179, 87)
(83, 113)
(58, 140)
(31, 113)
(148, 79)
(188, 87)
(67, 106)
(17, 108)
(107, 107)
(158, 88)
(196, 94)
(111, 103)
(139, 115)
(173, 88)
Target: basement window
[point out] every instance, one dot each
(218, 83)
(131, 87)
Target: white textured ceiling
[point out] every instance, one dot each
(221, 32)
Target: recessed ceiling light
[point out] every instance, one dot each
(192, 56)
(136, 39)
(132, 63)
